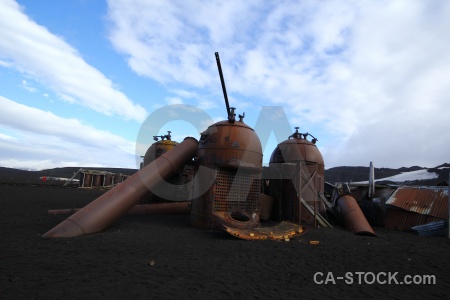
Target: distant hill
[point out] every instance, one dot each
(384, 175)
(438, 174)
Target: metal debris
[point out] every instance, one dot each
(437, 228)
(282, 231)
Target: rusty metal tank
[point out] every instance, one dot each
(176, 188)
(228, 174)
(158, 148)
(299, 162)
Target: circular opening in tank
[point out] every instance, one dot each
(240, 217)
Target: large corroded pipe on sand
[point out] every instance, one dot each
(353, 217)
(172, 208)
(102, 212)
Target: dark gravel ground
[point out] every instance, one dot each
(162, 257)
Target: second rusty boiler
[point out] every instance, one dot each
(176, 188)
(227, 182)
(297, 174)
(162, 144)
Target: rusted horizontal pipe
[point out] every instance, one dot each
(64, 211)
(353, 217)
(173, 208)
(102, 212)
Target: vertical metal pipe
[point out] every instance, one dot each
(102, 212)
(222, 81)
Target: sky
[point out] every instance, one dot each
(88, 83)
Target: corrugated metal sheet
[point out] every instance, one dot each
(384, 192)
(437, 228)
(399, 219)
(431, 201)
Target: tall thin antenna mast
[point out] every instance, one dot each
(224, 89)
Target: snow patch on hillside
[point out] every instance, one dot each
(411, 176)
(408, 176)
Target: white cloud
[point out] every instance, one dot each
(7, 137)
(206, 104)
(200, 100)
(26, 86)
(46, 139)
(163, 42)
(399, 86)
(174, 100)
(36, 52)
(44, 164)
(371, 75)
(369, 79)
(4, 63)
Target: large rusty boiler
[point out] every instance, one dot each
(298, 168)
(228, 173)
(178, 186)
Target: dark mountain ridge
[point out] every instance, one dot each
(332, 175)
(10, 175)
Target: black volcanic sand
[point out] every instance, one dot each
(161, 257)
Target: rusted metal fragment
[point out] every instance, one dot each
(431, 201)
(399, 219)
(246, 234)
(238, 219)
(353, 217)
(282, 231)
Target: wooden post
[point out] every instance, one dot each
(448, 205)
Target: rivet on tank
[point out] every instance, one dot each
(297, 195)
(227, 191)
